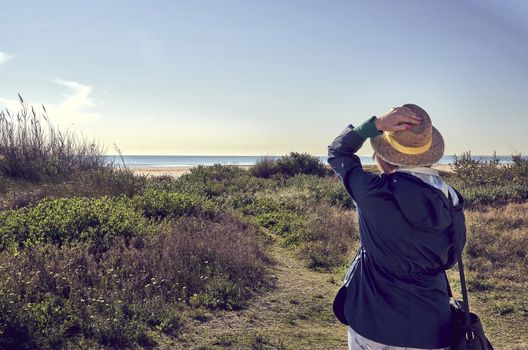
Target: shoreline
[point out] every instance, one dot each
(177, 170)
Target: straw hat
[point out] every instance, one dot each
(422, 145)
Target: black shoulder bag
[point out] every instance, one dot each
(468, 333)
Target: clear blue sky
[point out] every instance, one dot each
(268, 77)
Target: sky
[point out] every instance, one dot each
(243, 77)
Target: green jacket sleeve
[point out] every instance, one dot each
(347, 165)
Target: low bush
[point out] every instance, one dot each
(289, 165)
(256, 205)
(107, 182)
(156, 204)
(474, 172)
(215, 182)
(95, 220)
(265, 167)
(330, 236)
(318, 190)
(91, 184)
(280, 217)
(284, 223)
(494, 195)
(300, 163)
(121, 297)
(490, 182)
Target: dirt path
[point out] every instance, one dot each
(296, 314)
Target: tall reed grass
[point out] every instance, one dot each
(32, 148)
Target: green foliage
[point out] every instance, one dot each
(331, 234)
(253, 205)
(283, 223)
(216, 182)
(157, 204)
(280, 217)
(96, 221)
(50, 295)
(300, 163)
(93, 184)
(328, 190)
(289, 165)
(109, 181)
(490, 183)
(265, 167)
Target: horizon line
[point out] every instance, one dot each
(273, 155)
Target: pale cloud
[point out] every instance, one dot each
(71, 109)
(4, 57)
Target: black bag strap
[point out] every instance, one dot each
(467, 320)
(448, 286)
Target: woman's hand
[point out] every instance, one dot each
(398, 118)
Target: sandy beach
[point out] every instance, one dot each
(177, 171)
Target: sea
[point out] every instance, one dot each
(161, 161)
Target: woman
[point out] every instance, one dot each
(397, 296)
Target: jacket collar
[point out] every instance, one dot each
(418, 169)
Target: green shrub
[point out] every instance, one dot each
(289, 165)
(328, 190)
(278, 216)
(215, 182)
(51, 295)
(283, 223)
(331, 235)
(300, 163)
(490, 183)
(264, 168)
(109, 181)
(519, 169)
(93, 184)
(253, 205)
(494, 195)
(97, 221)
(160, 204)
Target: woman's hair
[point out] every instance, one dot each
(384, 166)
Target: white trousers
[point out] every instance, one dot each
(358, 342)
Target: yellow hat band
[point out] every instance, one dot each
(404, 149)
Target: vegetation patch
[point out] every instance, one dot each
(330, 237)
(126, 295)
(289, 165)
(490, 183)
(95, 221)
(33, 149)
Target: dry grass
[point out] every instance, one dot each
(52, 297)
(496, 258)
(33, 149)
(295, 314)
(330, 235)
